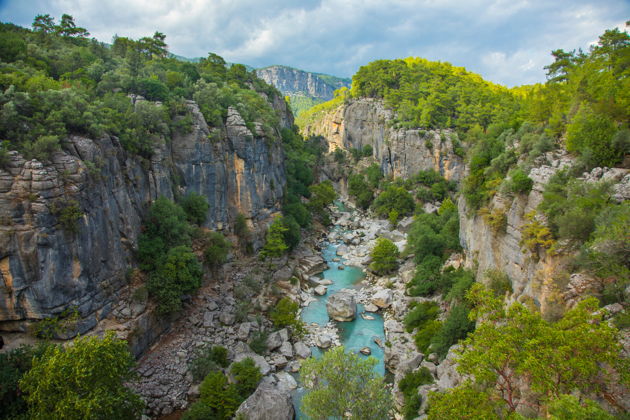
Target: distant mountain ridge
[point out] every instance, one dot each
(304, 89)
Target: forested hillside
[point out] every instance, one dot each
(56, 81)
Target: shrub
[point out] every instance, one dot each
(221, 397)
(367, 150)
(216, 250)
(178, 275)
(498, 281)
(208, 359)
(460, 281)
(408, 385)
(535, 236)
(285, 314)
(258, 342)
(427, 278)
(423, 337)
(384, 257)
(456, 327)
(394, 198)
(496, 219)
(293, 233)
(246, 376)
(420, 314)
(68, 214)
(196, 207)
(275, 245)
(519, 182)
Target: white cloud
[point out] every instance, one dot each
(507, 41)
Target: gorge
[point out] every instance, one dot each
(180, 206)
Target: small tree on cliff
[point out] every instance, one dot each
(275, 246)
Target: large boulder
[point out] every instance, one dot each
(302, 350)
(382, 298)
(342, 307)
(268, 402)
(258, 361)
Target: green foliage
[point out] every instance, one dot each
(165, 227)
(13, 365)
(456, 327)
(590, 134)
(218, 399)
(340, 383)
(85, 380)
(498, 281)
(246, 376)
(571, 206)
(208, 359)
(460, 280)
(285, 314)
(517, 346)
(463, 401)
(408, 385)
(322, 195)
(258, 342)
(394, 198)
(568, 407)
(293, 234)
(496, 219)
(535, 236)
(243, 233)
(519, 182)
(384, 257)
(425, 334)
(360, 190)
(68, 214)
(431, 239)
(196, 207)
(179, 274)
(275, 245)
(434, 94)
(216, 250)
(420, 314)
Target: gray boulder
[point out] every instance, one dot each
(301, 350)
(383, 298)
(268, 402)
(323, 341)
(258, 360)
(274, 340)
(342, 307)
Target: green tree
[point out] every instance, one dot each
(178, 275)
(394, 198)
(516, 346)
(246, 377)
(196, 207)
(275, 246)
(83, 381)
(216, 249)
(384, 257)
(285, 314)
(343, 385)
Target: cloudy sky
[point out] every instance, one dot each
(506, 41)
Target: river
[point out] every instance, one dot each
(354, 335)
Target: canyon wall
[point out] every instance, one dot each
(400, 152)
(50, 263)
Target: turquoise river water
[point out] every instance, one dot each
(353, 335)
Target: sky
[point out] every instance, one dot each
(506, 41)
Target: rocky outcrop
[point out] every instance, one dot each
(400, 152)
(540, 278)
(292, 81)
(268, 402)
(69, 228)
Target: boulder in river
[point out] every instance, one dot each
(323, 341)
(320, 290)
(342, 307)
(342, 250)
(366, 350)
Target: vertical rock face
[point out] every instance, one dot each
(401, 152)
(293, 81)
(47, 266)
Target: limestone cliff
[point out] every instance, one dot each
(400, 152)
(292, 81)
(47, 266)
